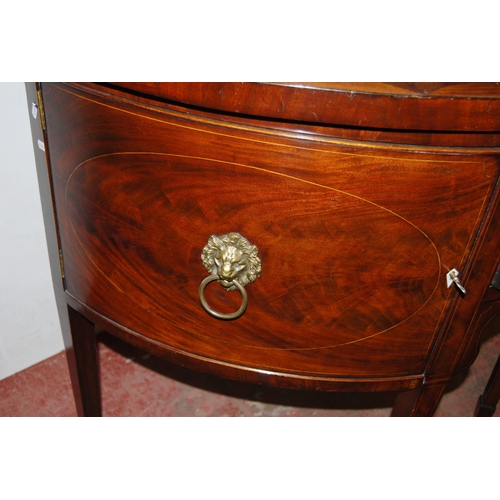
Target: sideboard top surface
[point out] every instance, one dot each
(452, 107)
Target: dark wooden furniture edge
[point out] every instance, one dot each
(78, 334)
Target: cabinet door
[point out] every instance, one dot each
(355, 241)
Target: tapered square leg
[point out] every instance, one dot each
(420, 402)
(83, 361)
(487, 402)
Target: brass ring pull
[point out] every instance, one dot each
(233, 261)
(219, 315)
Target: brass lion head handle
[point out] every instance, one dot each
(233, 262)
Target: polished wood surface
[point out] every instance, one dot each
(452, 115)
(438, 107)
(355, 237)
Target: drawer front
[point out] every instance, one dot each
(355, 242)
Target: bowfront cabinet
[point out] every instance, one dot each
(334, 237)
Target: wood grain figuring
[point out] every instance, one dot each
(372, 105)
(355, 238)
(138, 223)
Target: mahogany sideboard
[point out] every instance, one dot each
(328, 237)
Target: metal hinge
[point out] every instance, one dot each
(61, 263)
(40, 108)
